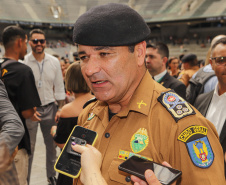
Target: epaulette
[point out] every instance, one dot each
(89, 101)
(175, 105)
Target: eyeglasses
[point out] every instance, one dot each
(35, 41)
(220, 61)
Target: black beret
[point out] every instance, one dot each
(110, 25)
(189, 58)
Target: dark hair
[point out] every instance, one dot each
(191, 59)
(66, 60)
(39, 31)
(201, 62)
(172, 58)
(55, 55)
(220, 41)
(181, 56)
(74, 81)
(11, 33)
(163, 49)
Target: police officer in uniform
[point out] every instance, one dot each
(133, 114)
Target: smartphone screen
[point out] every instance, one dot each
(137, 166)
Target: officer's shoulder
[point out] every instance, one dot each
(175, 105)
(89, 102)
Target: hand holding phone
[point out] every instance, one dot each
(137, 166)
(69, 161)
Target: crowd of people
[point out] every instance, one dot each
(139, 100)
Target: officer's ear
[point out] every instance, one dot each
(140, 52)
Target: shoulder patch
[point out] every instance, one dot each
(175, 105)
(88, 102)
(198, 145)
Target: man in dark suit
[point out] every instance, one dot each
(212, 104)
(156, 59)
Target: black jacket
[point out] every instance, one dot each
(171, 82)
(202, 103)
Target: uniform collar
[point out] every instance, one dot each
(140, 101)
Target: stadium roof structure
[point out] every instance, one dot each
(63, 13)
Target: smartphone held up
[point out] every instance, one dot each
(137, 166)
(69, 161)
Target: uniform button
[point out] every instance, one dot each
(128, 179)
(107, 135)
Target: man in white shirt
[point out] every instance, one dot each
(156, 59)
(49, 83)
(212, 105)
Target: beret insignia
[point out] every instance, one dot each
(175, 105)
(198, 145)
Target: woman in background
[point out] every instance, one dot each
(174, 67)
(76, 85)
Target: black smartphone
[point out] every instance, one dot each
(69, 161)
(137, 166)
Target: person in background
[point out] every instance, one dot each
(190, 67)
(133, 114)
(180, 62)
(207, 69)
(11, 133)
(212, 104)
(57, 56)
(201, 63)
(63, 68)
(156, 60)
(67, 63)
(76, 85)
(174, 67)
(49, 82)
(20, 85)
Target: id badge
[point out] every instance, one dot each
(40, 83)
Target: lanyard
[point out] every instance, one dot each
(41, 68)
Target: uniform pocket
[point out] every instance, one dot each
(115, 174)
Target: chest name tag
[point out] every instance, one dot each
(175, 105)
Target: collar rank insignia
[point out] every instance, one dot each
(139, 140)
(198, 146)
(141, 103)
(91, 116)
(175, 105)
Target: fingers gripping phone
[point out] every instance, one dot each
(137, 166)
(69, 161)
